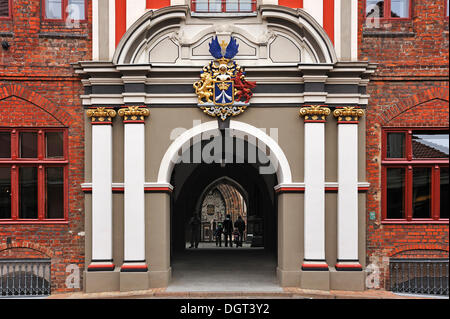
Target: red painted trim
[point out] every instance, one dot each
(291, 3)
(9, 16)
(117, 189)
(408, 163)
(41, 163)
(324, 266)
(348, 266)
(157, 189)
(347, 122)
(64, 14)
(290, 189)
(133, 122)
(331, 189)
(328, 18)
(121, 19)
(97, 266)
(315, 121)
(101, 123)
(134, 267)
(156, 4)
(387, 9)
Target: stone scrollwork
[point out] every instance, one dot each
(133, 114)
(101, 115)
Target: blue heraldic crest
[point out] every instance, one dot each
(222, 90)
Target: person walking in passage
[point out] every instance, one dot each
(195, 230)
(240, 225)
(228, 230)
(218, 234)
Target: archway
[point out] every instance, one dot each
(246, 173)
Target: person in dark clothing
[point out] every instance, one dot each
(240, 225)
(218, 234)
(228, 230)
(195, 230)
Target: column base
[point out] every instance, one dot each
(313, 279)
(347, 280)
(288, 278)
(159, 279)
(134, 266)
(314, 265)
(133, 281)
(98, 265)
(348, 266)
(101, 281)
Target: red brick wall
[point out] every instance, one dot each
(408, 89)
(38, 87)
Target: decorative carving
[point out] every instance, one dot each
(222, 89)
(134, 114)
(348, 114)
(101, 115)
(315, 113)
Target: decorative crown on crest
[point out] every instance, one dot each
(222, 90)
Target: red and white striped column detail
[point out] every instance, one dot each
(314, 200)
(134, 179)
(347, 215)
(101, 120)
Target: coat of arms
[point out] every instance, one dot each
(222, 90)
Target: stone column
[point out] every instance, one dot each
(101, 120)
(314, 204)
(134, 178)
(347, 218)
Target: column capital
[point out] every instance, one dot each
(315, 113)
(348, 114)
(101, 115)
(134, 113)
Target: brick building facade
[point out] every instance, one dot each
(39, 92)
(44, 90)
(409, 90)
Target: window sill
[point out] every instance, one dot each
(443, 221)
(33, 222)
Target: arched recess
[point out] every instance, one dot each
(168, 25)
(38, 100)
(222, 180)
(277, 157)
(406, 104)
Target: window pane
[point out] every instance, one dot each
(395, 147)
(28, 192)
(421, 192)
(76, 9)
(400, 8)
(28, 145)
(232, 5)
(444, 192)
(5, 192)
(54, 144)
(374, 9)
(429, 145)
(4, 8)
(5, 145)
(53, 9)
(395, 183)
(55, 192)
(245, 5)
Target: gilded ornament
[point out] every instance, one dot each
(315, 113)
(348, 114)
(134, 113)
(101, 114)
